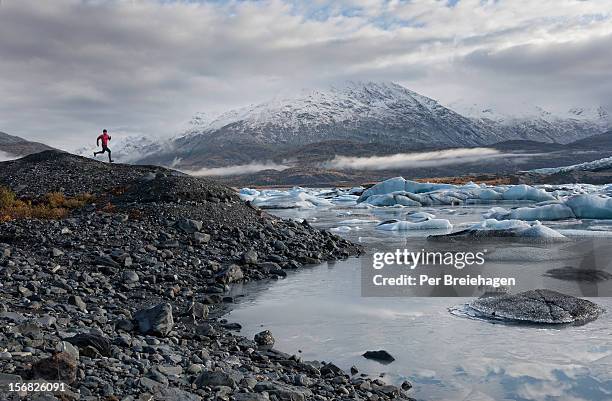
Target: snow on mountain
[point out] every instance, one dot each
(357, 110)
(128, 149)
(595, 165)
(526, 121)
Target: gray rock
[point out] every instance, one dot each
(249, 257)
(215, 378)
(78, 302)
(264, 338)
(83, 340)
(65, 346)
(537, 306)
(157, 320)
(175, 394)
(379, 356)
(251, 397)
(231, 274)
(129, 276)
(201, 238)
(189, 226)
(283, 391)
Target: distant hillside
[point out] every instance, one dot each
(13, 146)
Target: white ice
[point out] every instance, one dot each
(397, 225)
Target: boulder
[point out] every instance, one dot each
(380, 356)
(264, 338)
(537, 306)
(157, 320)
(189, 226)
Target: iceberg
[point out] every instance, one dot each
(357, 221)
(399, 184)
(590, 206)
(492, 228)
(294, 198)
(397, 225)
(526, 192)
(548, 212)
(395, 198)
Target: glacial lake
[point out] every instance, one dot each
(319, 313)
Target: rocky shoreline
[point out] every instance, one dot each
(121, 299)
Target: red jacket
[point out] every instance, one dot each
(105, 138)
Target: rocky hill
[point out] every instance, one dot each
(13, 146)
(123, 297)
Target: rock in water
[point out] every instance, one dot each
(537, 306)
(380, 356)
(264, 338)
(61, 366)
(156, 320)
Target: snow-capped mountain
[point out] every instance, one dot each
(358, 119)
(129, 149)
(364, 112)
(535, 123)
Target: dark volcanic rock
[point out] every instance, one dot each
(264, 338)
(99, 343)
(60, 366)
(138, 245)
(537, 306)
(157, 320)
(380, 356)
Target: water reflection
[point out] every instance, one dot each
(320, 312)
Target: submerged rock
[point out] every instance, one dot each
(570, 273)
(380, 356)
(537, 306)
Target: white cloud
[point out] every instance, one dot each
(422, 159)
(70, 67)
(7, 156)
(237, 170)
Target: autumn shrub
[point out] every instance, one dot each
(54, 205)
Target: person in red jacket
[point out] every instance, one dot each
(104, 138)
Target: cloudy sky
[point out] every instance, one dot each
(69, 68)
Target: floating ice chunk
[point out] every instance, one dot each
(543, 212)
(248, 194)
(358, 221)
(433, 224)
(340, 229)
(491, 228)
(420, 216)
(526, 192)
(590, 206)
(585, 233)
(422, 187)
(493, 224)
(345, 198)
(399, 184)
(486, 194)
(385, 187)
(294, 198)
(398, 198)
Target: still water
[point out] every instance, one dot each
(319, 313)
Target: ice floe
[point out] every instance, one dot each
(530, 213)
(492, 228)
(398, 225)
